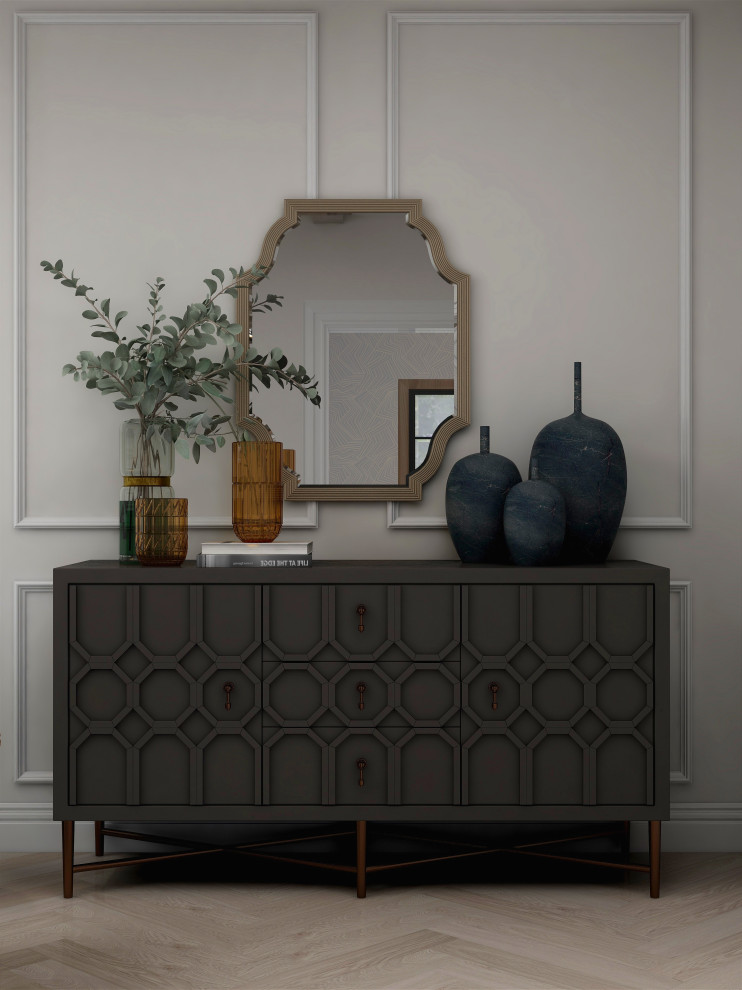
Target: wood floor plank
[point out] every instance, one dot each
(141, 930)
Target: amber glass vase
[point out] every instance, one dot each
(161, 531)
(257, 494)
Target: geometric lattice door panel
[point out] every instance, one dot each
(386, 624)
(557, 695)
(331, 765)
(165, 694)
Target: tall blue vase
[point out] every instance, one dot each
(584, 459)
(475, 498)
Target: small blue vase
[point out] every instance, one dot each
(475, 498)
(584, 459)
(534, 522)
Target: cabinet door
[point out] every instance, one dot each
(557, 695)
(165, 695)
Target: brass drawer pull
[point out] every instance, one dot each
(228, 688)
(361, 764)
(360, 687)
(494, 688)
(361, 611)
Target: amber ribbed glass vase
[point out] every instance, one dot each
(257, 495)
(161, 531)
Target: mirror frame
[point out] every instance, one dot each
(412, 210)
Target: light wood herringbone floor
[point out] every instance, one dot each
(155, 928)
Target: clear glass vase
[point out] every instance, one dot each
(257, 493)
(147, 463)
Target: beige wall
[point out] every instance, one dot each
(548, 154)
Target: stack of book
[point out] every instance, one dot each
(233, 553)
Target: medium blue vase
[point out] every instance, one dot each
(475, 498)
(584, 459)
(534, 522)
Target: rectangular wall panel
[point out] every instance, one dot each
(33, 681)
(558, 173)
(146, 146)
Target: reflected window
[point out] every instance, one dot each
(423, 406)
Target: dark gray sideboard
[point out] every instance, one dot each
(379, 691)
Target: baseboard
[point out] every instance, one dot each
(692, 828)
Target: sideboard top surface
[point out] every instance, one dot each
(365, 572)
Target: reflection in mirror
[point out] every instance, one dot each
(364, 305)
(367, 310)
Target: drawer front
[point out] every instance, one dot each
(361, 693)
(558, 695)
(361, 622)
(164, 712)
(326, 765)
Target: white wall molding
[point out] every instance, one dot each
(22, 590)
(305, 518)
(684, 662)
(26, 814)
(395, 518)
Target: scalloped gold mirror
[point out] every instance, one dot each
(374, 310)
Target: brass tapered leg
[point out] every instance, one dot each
(654, 858)
(360, 859)
(68, 854)
(99, 839)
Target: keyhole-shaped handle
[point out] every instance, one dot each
(494, 688)
(361, 764)
(360, 687)
(228, 688)
(361, 611)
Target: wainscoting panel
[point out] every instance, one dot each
(561, 131)
(182, 156)
(33, 681)
(681, 672)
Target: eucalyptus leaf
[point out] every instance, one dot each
(151, 371)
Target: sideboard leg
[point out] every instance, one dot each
(654, 858)
(360, 859)
(626, 847)
(68, 854)
(99, 839)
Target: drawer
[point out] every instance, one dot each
(361, 622)
(361, 766)
(362, 693)
(316, 767)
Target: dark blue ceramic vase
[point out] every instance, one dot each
(475, 498)
(584, 459)
(534, 522)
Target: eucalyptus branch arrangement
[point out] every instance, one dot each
(159, 368)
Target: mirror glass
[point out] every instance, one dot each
(367, 312)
